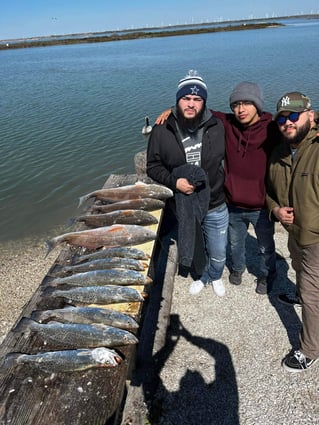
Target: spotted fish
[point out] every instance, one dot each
(67, 360)
(109, 294)
(76, 335)
(86, 315)
(103, 264)
(103, 277)
(146, 204)
(119, 251)
(140, 217)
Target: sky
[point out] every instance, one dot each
(32, 18)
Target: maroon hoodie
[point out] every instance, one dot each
(247, 151)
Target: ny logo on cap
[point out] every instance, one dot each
(285, 101)
(194, 90)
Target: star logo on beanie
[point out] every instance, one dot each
(194, 90)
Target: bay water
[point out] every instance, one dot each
(72, 115)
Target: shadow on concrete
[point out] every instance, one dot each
(196, 402)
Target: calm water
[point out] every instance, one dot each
(72, 115)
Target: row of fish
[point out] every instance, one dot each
(86, 336)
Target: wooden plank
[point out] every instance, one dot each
(30, 397)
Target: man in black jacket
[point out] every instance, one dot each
(191, 135)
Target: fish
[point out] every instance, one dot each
(66, 360)
(103, 264)
(109, 236)
(140, 217)
(146, 204)
(108, 294)
(76, 335)
(118, 251)
(86, 315)
(103, 277)
(137, 190)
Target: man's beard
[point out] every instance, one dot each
(189, 124)
(300, 135)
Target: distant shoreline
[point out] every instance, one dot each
(46, 41)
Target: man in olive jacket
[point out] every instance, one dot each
(293, 199)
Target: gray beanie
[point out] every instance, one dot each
(248, 91)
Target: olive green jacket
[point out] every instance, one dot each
(296, 184)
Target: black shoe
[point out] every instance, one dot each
(235, 278)
(297, 362)
(261, 287)
(289, 299)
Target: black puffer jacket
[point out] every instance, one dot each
(165, 152)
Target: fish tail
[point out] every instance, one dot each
(10, 360)
(39, 316)
(71, 221)
(50, 245)
(24, 325)
(83, 198)
(47, 292)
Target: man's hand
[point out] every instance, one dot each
(284, 214)
(163, 117)
(184, 186)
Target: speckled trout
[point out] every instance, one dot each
(108, 294)
(103, 264)
(140, 217)
(86, 315)
(119, 251)
(66, 360)
(103, 277)
(146, 204)
(108, 236)
(137, 190)
(76, 335)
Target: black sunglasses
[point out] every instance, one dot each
(293, 117)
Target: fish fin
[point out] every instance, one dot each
(140, 183)
(10, 360)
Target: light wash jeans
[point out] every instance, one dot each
(215, 227)
(239, 220)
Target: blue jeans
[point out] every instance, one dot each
(215, 227)
(239, 220)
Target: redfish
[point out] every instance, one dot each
(137, 190)
(108, 236)
(66, 360)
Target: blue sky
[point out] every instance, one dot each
(30, 18)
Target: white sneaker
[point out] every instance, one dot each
(219, 287)
(195, 287)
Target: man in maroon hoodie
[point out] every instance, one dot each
(250, 137)
(249, 140)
